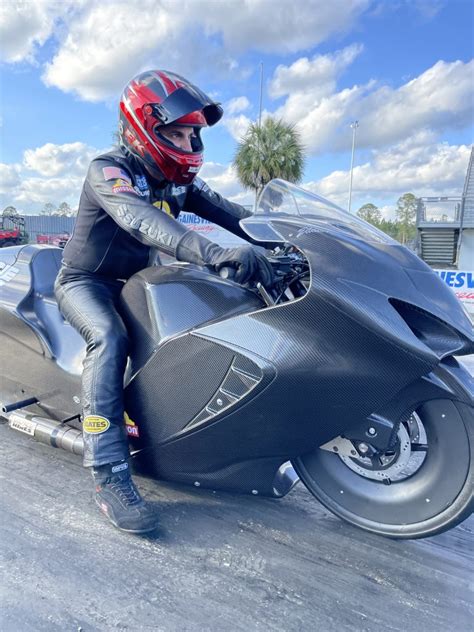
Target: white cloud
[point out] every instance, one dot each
(52, 160)
(37, 191)
(279, 26)
(439, 99)
(316, 76)
(237, 125)
(61, 168)
(236, 105)
(222, 179)
(415, 165)
(9, 178)
(101, 51)
(25, 25)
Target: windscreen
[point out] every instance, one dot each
(282, 198)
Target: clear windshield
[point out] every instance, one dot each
(281, 197)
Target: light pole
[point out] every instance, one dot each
(259, 128)
(354, 126)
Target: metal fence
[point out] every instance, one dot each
(44, 225)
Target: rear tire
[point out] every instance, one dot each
(434, 495)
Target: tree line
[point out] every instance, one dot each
(63, 210)
(403, 228)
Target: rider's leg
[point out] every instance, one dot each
(90, 305)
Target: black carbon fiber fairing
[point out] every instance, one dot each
(366, 329)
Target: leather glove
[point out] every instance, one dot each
(251, 266)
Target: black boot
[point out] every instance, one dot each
(120, 500)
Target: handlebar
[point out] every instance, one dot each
(226, 272)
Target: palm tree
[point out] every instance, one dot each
(272, 150)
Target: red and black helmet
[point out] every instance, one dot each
(158, 97)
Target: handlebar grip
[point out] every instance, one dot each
(226, 272)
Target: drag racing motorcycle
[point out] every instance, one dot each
(342, 375)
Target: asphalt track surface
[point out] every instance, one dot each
(218, 562)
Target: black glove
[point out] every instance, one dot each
(250, 265)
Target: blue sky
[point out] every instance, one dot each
(404, 69)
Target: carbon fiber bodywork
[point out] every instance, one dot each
(322, 365)
(222, 390)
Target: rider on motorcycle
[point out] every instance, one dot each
(129, 206)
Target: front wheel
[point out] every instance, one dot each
(420, 488)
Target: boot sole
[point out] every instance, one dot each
(117, 526)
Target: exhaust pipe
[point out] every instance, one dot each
(47, 431)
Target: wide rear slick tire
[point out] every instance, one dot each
(436, 497)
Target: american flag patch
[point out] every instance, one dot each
(114, 173)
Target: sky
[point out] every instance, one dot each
(403, 69)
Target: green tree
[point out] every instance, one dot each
(370, 213)
(63, 210)
(272, 150)
(390, 227)
(9, 210)
(406, 216)
(48, 209)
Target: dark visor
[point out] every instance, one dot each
(182, 102)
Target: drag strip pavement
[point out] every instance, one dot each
(218, 561)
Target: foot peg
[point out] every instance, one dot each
(8, 408)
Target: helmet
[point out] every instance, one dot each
(155, 98)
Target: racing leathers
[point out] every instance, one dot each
(124, 216)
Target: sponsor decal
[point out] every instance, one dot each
(120, 467)
(178, 190)
(141, 192)
(93, 424)
(193, 169)
(131, 426)
(163, 206)
(123, 188)
(134, 142)
(461, 282)
(23, 425)
(141, 182)
(114, 173)
(194, 222)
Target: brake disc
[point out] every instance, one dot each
(400, 464)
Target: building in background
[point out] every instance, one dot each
(446, 227)
(445, 238)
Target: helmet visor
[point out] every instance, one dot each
(182, 102)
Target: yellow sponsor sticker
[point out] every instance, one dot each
(131, 426)
(94, 424)
(164, 206)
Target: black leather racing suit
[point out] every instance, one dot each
(123, 217)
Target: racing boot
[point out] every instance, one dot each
(120, 501)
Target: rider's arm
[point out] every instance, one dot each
(111, 188)
(117, 197)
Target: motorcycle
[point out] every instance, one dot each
(342, 375)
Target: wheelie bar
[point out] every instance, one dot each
(47, 431)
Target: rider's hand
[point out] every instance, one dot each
(250, 265)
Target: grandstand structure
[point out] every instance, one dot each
(445, 235)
